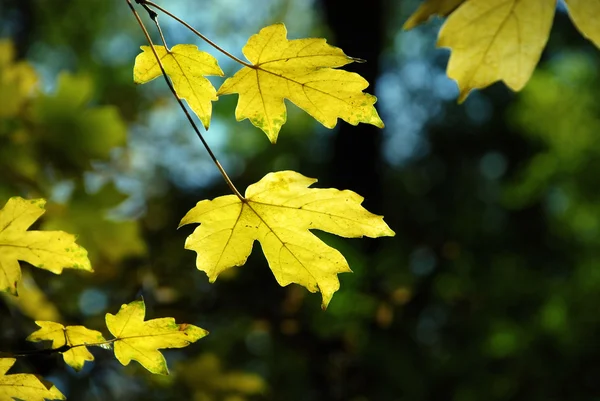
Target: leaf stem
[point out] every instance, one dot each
(162, 37)
(201, 36)
(189, 117)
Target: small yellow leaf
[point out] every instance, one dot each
(493, 40)
(278, 212)
(186, 66)
(49, 250)
(140, 340)
(24, 386)
(75, 337)
(301, 70)
(586, 17)
(429, 8)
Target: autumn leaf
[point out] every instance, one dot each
(279, 211)
(585, 14)
(500, 40)
(302, 71)
(186, 66)
(495, 40)
(49, 250)
(74, 337)
(24, 386)
(429, 8)
(139, 340)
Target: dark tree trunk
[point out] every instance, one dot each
(358, 29)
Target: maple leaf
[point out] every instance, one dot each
(500, 40)
(584, 14)
(279, 211)
(24, 386)
(139, 340)
(186, 66)
(74, 337)
(49, 250)
(302, 71)
(496, 40)
(429, 8)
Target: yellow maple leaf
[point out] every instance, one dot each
(25, 386)
(429, 8)
(75, 337)
(279, 211)
(302, 71)
(585, 15)
(139, 340)
(496, 40)
(187, 67)
(49, 250)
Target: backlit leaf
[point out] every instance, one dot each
(24, 386)
(186, 66)
(496, 40)
(140, 340)
(585, 15)
(303, 71)
(49, 250)
(278, 212)
(72, 336)
(429, 8)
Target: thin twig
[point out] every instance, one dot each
(201, 36)
(189, 117)
(50, 351)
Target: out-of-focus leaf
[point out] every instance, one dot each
(32, 302)
(69, 127)
(17, 81)
(207, 379)
(85, 215)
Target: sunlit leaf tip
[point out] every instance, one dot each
(139, 340)
(187, 67)
(48, 250)
(279, 212)
(304, 72)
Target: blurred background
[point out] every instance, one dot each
(489, 291)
